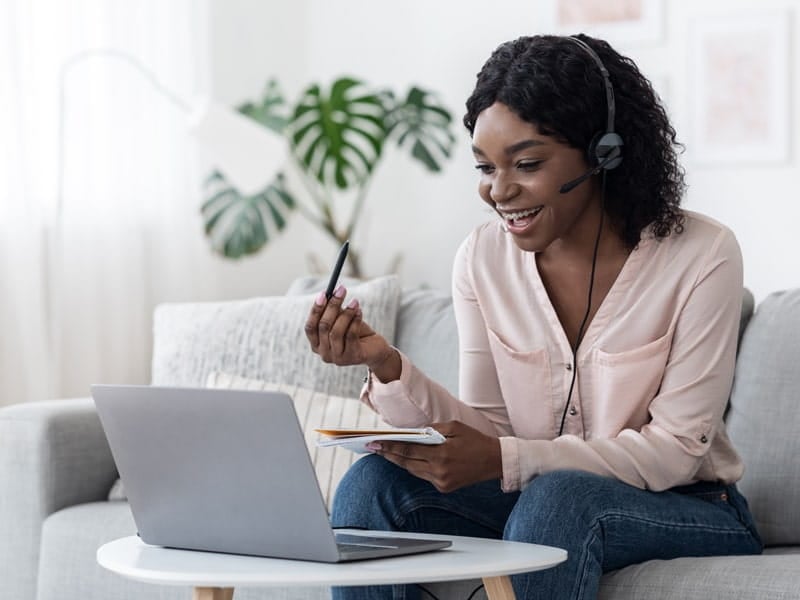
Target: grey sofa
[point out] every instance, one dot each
(56, 471)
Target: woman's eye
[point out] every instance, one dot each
(485, 169)
(529, 165)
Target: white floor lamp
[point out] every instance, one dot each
(247, 153)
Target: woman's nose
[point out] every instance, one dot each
(503, 189)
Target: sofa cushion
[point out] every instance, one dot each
(427, 334)
(763, 421)
(261, 338)
(69, 569)
(767, 577)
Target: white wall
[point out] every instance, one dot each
(441, 45)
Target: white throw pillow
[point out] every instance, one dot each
(261, 338)
(315, 410)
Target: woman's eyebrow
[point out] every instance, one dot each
(523, 145)
(513, 148)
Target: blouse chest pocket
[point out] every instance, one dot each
(624, 384)
(525, 382)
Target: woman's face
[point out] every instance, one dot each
(521, 174)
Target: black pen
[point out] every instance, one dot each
(337, 269)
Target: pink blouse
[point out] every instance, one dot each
(655, 366)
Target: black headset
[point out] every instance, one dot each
(605, 148)
(604, 153)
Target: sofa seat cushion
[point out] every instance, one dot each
(771, 576)
(68, 567)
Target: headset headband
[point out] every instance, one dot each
(606, 81)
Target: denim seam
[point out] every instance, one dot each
(583, 569)
(692, 526)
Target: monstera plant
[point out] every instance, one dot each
(336, 139)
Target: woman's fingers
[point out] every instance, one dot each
(343, 336)
(332, 331)
(326, 322)
(312, 323)
(338, 333)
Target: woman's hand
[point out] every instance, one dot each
(340, 336)
(467, 457)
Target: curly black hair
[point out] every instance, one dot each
(551, 82)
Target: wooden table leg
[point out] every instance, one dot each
(499, 588)
(212, 593)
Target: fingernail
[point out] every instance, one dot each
(320, 299)
(373, 446)
(353, 303)
(340, 292)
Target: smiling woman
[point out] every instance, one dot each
(597, 332)
(521, 181)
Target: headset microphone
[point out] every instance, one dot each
(571, 185)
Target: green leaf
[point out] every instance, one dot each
(238, 225)
(338, 136)
(425, 125)
(270, 111)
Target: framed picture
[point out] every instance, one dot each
(618, 21)
(740, 87)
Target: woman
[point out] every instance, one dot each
(598, 327)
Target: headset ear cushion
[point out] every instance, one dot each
(602, 146)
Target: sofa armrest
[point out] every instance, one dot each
(53, 454)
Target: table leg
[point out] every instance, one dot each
(499, 588)
(212, 593)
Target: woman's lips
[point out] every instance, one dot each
(519, 221)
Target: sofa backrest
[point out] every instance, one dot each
(764, 421)
(426, 332)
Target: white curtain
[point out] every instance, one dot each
(78, 282)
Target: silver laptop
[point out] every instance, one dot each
(226, 471)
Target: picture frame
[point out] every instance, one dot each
(618, 21)
(741, 82)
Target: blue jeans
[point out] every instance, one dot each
(603, 524)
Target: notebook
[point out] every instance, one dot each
(356, 440)
(227, 471)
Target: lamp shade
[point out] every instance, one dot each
(247, 153)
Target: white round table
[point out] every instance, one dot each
(214, 576)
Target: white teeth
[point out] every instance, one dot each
(522, 214)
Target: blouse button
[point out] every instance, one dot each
(569, 367)
(704, 439)
(573, 411)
